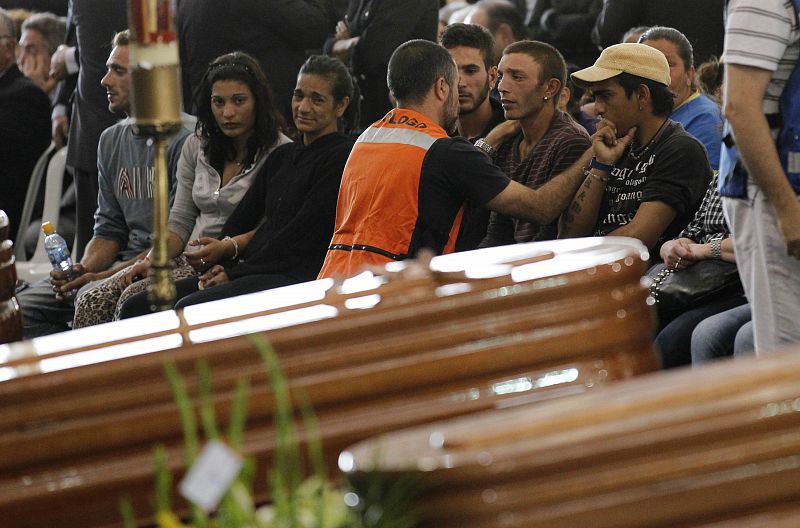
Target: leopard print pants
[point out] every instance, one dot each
(102, 303)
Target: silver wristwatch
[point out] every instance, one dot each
(716, 249)
(484, 146)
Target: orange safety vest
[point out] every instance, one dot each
(378, 203)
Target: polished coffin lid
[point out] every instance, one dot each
(545, 263)
(81, 412)
(718, 444)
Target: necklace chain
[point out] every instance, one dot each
(637, 156)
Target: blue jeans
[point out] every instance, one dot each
(674, 341)
(723, 335)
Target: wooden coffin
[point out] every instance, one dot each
(467, 333)
(713, 447)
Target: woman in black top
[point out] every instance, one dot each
(279, 232)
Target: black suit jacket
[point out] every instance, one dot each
(381, 26)
(567, 25)
(275, 32)
(57, 7)
(24, 135)
(95, 23)
(700, 20)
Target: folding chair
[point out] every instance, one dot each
(52, 164)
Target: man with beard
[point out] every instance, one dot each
(472, 47)
(405, 183)
(548, 141)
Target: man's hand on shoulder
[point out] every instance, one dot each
(502, 133)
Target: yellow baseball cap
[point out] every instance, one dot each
(636, 59)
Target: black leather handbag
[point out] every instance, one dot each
(676, 291)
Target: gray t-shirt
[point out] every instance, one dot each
(126, 185)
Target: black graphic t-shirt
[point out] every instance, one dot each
(674, 170)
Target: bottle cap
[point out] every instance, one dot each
(47, 228)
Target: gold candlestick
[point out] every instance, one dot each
(161, 291)
(155, 108)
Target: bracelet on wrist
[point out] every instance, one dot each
(595, 164)
(235, 247)
(587, 172)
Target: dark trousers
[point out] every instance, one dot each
(188, 293)
(86, 188)
(139, 304)
(240, 286)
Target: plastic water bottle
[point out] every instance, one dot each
(57, 250)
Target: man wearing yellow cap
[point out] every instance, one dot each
(648, 189)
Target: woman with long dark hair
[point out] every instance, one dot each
(237, 130)
(281, 230)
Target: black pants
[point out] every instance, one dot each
(240, 286)
(139, 304)
(86, 188)
(188, 293)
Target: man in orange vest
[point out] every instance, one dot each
(406, 182)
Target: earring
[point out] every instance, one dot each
(546, 98)
(640, 108)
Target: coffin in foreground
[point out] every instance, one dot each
(494, 327)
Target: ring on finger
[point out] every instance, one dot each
(678, 263)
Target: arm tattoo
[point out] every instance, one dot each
(575, 208)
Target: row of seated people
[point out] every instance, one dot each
(41, 34)
(277, 36)
(238, 155)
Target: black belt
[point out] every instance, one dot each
(364, 247)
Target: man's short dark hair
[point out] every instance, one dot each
(414, 67)
(504, 13)
(660, 94)
(470, 36)
(551, 62)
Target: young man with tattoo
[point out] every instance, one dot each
(648, 175)
(547, 142)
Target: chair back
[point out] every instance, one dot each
(51, 164)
